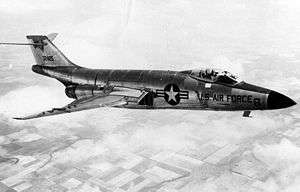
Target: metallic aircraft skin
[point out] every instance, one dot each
(218, 96)
(147, 89)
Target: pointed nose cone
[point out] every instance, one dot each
(278, 101)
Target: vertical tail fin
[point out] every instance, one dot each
(46, 53)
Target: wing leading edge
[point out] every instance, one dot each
(81, 104)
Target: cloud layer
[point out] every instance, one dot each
(31, 6)
(258, 41)
(284, 160)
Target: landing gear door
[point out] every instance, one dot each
(147, 98)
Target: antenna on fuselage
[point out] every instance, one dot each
(51, 37)
(38, 44)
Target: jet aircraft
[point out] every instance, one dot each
(200, 89)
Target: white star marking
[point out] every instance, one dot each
(171, 94)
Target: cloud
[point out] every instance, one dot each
(100, 56)
(281, 154)
(153, 136)
(224, 63)
(24, 136)
(17, 7)
(79, 151)
(3, 140)
(86, 187)
(294, 187)
(284, 161)
(31, 99)
(34, 99)
(130, 129)
(167, 35)
(288, 85)
(176, 130)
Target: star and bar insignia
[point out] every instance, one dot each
(172, 94)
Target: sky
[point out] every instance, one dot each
(258, 40)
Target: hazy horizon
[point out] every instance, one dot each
(258, 40)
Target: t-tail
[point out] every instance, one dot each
(46, 53)
(50, 61)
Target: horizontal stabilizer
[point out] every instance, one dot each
(51, 37)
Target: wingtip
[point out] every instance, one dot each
(18, 118)
(23, 118)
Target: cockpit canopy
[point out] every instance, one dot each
(213, 75)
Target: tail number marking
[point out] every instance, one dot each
(48, 58)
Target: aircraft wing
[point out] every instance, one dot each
(82, 104)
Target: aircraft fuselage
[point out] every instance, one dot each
(171, 89)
